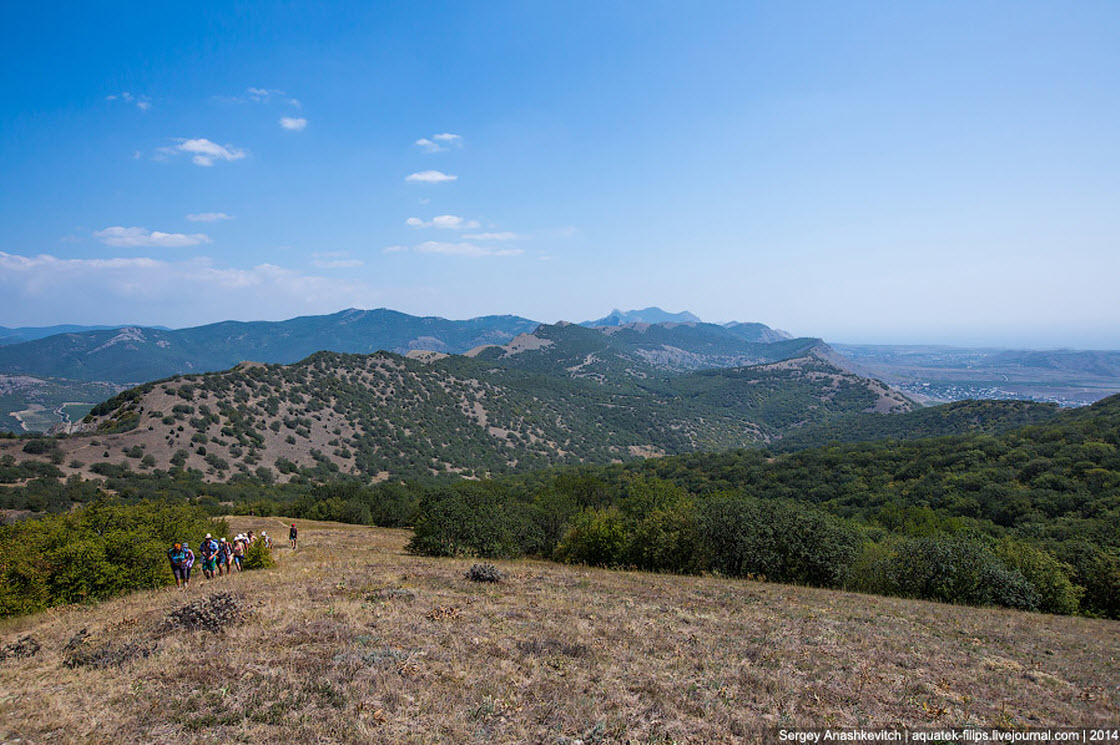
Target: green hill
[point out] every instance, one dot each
(956, 418)
(570, 395)
(1029, 518)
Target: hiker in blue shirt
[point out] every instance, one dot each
(209, 552)
(188, 563)
(178, 558)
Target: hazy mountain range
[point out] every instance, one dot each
(46, 376)
(563, 394)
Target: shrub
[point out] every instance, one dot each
(596, 537)
(92, 553)
(39, 446)
(958, 571)
(778, 541)
(464, 519)
(1049, 577)
(258, 556)
(484, 573)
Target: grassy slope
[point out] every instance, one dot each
(553, 651)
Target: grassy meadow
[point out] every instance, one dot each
(352, 640)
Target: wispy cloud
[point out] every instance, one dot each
(501, 236)
(262, 95)
(204, 152)
(142, 102)
(296, 123)
(444, 222)
(440, 143)
(208, 217)
(334, 260)
(143, 238)
(337, 263)
(429, 177)
(456, 248)
(194, 290)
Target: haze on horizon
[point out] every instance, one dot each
(867, 172)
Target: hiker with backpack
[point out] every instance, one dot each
(292, 536)
(223, 557)
(187, 564)
(178, 558)
(209, 553)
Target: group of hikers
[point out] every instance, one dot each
(219, 556)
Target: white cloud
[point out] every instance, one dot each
(337, 263)
(205, 152)
(208, 217)
(296, 123)
(444, 222)
(462, 248)
(143, 238)
(190, 291)
(261, 95)
(440, 143)
(501, 236)
(335, 260)
(394, 249)
(429, 177)
(142, 102)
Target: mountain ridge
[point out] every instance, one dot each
(583, 397)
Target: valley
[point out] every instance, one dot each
(939, 374)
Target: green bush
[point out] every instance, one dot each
(596, 537)
(1049, 577)
(668, 540)
(93, 553)
(464, 519)
(258, 556)
(778, 541)
(952, 570)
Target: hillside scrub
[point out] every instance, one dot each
(96, 552)
(1026, 519)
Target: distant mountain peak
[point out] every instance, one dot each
(653, 314)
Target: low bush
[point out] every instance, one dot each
(258, 556)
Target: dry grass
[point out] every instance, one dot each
(351, 641)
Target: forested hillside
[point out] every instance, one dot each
(1029, 518)
(387, 416)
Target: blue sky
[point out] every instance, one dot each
(865, 172)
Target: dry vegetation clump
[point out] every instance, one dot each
(212, 613)
(484, 573)
(84, 650)
(25, 646)
(351, 640)
(390, 593)
(548, 647)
